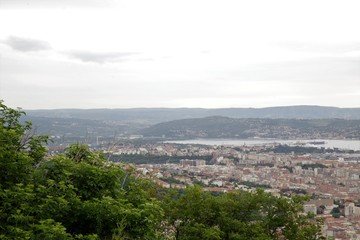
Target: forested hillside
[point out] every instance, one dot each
(92, 125)
(81, 195)
(157, 115)
(224, 127)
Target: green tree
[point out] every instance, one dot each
(238, 215)
(89, 196)
(193, 214)
(19, 148)
(78, 195)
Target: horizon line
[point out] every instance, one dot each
(205, 108)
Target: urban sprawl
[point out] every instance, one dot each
(330, 179)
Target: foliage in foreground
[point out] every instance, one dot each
(77, 195)
(80, 195)
(196, 214)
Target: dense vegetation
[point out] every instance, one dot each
(153, 159)
(80, 195)
(77, 195)
(283, 148)
(298, 150)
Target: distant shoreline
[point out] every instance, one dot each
(350, 144)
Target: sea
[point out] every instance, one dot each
(326, 143)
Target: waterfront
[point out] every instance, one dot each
(328, 143)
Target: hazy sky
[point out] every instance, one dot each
(188, 53)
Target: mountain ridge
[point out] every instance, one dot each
(225, 127)
(157, 115)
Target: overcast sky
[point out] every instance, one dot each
(188, 53)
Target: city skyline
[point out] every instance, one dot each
(208, 54)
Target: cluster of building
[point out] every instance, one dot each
(159, 149)
(334, 185)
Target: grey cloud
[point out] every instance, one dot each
(26, 44)
(33, 4)
(103, 57)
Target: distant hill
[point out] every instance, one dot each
(149, 116)
(75, 126)
(70, 130)
(224, 127)
(197, 122)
